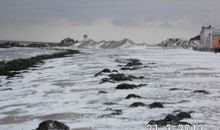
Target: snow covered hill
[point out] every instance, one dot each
(175, 43)
(125, 43)
(179, 43)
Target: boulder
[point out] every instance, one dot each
(127, 86)
(132, 96)
(109, 103)
(103, 80)
(102, 92)
(119, 77)
(159, 123)
(183, 115)
(103, 71)
(129, 68)
(171, 120)
(133, 62)
(156, 105)
(67, 42)
(115, 71)
(52, 125)
(137, 104)
(201, 91)
(6, 89)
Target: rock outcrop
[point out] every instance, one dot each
(172, 120)
(52, 125)
(67, 42)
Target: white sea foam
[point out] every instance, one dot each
(68, 85)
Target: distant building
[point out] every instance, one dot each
(209, 39)
(85, 37)
(205, 37)
(216, 39)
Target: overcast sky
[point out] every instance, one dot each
(149, 21)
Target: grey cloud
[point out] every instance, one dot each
(168, 14)
(121, 11)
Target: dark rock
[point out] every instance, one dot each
(103, 80)
(103, 71)
(10, 68)
(127, 86)
(52, 125)
(110, 103)
(201, 91)
(151, 63)
(119, 77)
(172, 120)
(133, 62)
(183, 115)
(132, 96)
(175, 43)
(115, 112)
(106, 71)
(102, 92)
(146, 66)
(115, 71)
(156, 105)
(195, 38)
(129, 68)
(9, 44)
(132, 77)
(67, 42)
(137, 104)
(141, 77)
(174, 89)
(159, 123)
(183, 123)
(6, 89)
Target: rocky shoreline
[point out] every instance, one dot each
(11, 68)
(64, 42)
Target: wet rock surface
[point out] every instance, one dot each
(201, 91)
(109, 103)
(133, 62)
(132, 96)
(6, 89)
(130, 64)
(171, 119)
(102, 92)
(119, 77)
(128, 86)
(103, 71)
(114, 112)
(64, 42)
(137, 104)
(67, 42)
(130, 68)
(176, 89)
(52, 125)
(156, 105)
(11, 68)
